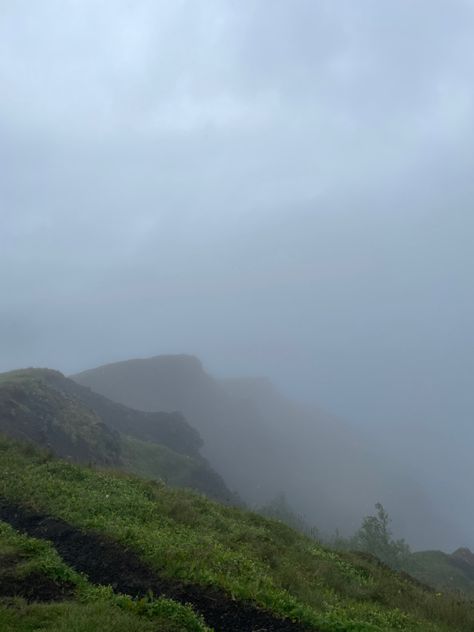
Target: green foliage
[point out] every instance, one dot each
(186, 537)
(280, 509)
(43, 406)
(157, 462)
(174, 616)
(375, 537)
(73, 616)
(94, 608)
(33, 411)
(440, 570)
(34, 556)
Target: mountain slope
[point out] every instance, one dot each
(166, 428)
(263, 444)
(154, 461)
(211, 554)
(38, 591)
(447, 572)
(33, 411)
(46, 408)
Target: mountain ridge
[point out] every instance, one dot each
(44, 407)
(324, 465)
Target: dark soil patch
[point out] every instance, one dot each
(107, 562)
(34, 587)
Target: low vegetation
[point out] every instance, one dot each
(448, 573)
(157, 462)
(189, 538)
(86, 608)
(443, 571)
(375, 537)
(48, 409)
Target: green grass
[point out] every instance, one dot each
(187, 537)
(91, 608)
(42, 406)
(22, 375)
(70, 617)
(157, 462)
(103, 615)
(27, 402)
(32, 556)
(438, 569)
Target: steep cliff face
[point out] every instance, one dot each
(31, 410)
(166, 428)
(44, 407)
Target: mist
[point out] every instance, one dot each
(282, 191)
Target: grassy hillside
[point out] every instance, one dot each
(38, 591)
(44, 407)
(443, 571)
(165, 428)
(31, 410)
(153, 461)
(188, 539)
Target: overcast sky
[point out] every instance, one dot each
(282, 188)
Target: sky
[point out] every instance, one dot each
(283, 189)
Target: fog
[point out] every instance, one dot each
(282, 189)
